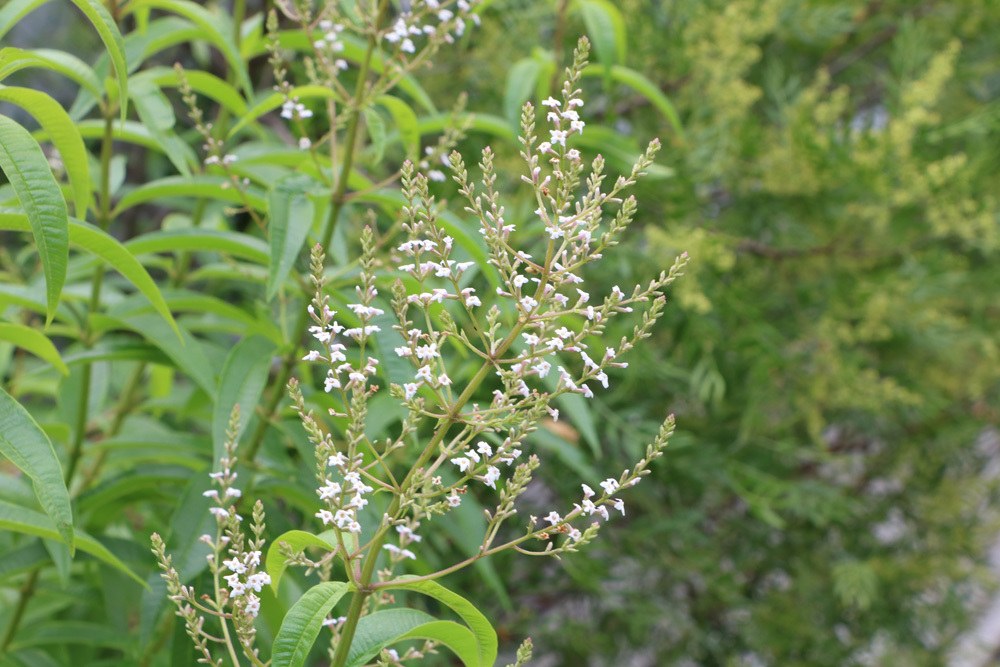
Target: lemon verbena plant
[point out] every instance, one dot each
(535, 336)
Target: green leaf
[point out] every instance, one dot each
(521, 82)
(214, 28)
(157, 115)
(485, 635)
(291, 212)
(106, 247)
(208, 187)
(384, 628)
(406, 123)
(243, 378)
(376, 132)
(232, 243)
(23, 162)
(25, 445)
(302, 623)
(184, 351)
(28, 521)
(106, 27)
(606, 29)
(14, 10)
(645, 87)
(276, 563)
(13, 59)
(64, 135)
(203, 83)
(33, 341)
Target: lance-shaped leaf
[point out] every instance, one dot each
(33, 341)
(23, 162)
(25, 445)
(106, 247)
(214, 28)
(25, 520)
(241, 383)
(276, 563)
(106, 27)
(14, 10)
(13, 59)
(384, 628)
(64, 136)
(485, 635)
(291, 212)
(302, 623)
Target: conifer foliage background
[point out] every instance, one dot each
(831, 355)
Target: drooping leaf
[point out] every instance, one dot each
(209, 187)
(13, 59)
(521, 82)
(106, 247)
(64, 135)
(14, 10)
(242, 381)
(303, 622)
(23, 162)
(157, 115)
(291, 216)
(28, 521)
(185, 351)
(275, 562)
(33, 341)
(104, 23)
(406, 123)
(606, 29)
(645, 87)
(485, 635)
(214, 28)
(232, 243)
(25, 445)
(384, 628)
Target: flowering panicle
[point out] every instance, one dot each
(475, 350)
(238, 579)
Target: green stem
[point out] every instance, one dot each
(368, 570)
(27, 590)
(337, 200)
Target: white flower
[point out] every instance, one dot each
(610, 485)
(312, 356)
(587, 491)
(235, 565)
(484, 449)
(553, 517)
(619, 505)
(258, 580)
(491, 477)
(410, 390)
(454, 500)
(551, 102)
(463, 463)
(574, 534)
(558, 136)
(252, 606)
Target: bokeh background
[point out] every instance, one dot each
(830, 497)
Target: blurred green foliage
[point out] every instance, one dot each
(833, 353)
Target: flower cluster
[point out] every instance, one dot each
(344, 498)
(444, 21)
